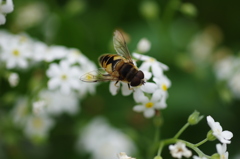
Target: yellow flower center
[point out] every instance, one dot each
(89, 77)
(64, 77)
(38, 123)
(149, 105)
(164, 87)
(16, 52)
(151, 59)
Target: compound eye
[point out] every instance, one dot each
(140, 75)
(135, 81)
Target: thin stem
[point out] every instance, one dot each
(196, 149)
(201, 142)
(181, 130)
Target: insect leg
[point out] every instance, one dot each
(116, 83)
(130, 87)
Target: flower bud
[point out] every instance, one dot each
(215, 156)
(149, 10)
(210, 136)
(188, 9)
(194, 118)
(157, 157)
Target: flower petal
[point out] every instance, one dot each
(149, 87)
(139, 96)
(227, 134)
(139, 108)
(148, 113)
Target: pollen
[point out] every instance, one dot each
(149, 105)
(164, 87)
(64, 77)
(151, 59)
(88, 77)
(15, 52)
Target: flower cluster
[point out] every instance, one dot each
(6, 6)
(179, 149)
(104, 141)
(228, 69)
(55, 85)
(153, 94)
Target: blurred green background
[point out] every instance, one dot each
(170, 26)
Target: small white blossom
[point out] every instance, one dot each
(94, 140)
(157, 67)
(179, 149)
(223, 136)
(147, 105)
(5, 7)
(143, 45)
(63, 76)
(13, 79)
(38, 107)
(123, 155)
(38, 126)
(54, 53)
(234, 84)
(56, 103)
(39, 51)
(15, 52)
(222, 151)
(30, 14)
(75, 56)
(224, 67)
(20, 111)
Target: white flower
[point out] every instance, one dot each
(197, 157)
(40, 50)
(75, 56)
(223, 136)
(20, 111)
(179, 149)
(38, 126)
(54, 53)
(15, 52)
(13, 79)
(222, 151)
(38, 107)
(226, 67)
(123, 155)
(234, 84)
(64, 76)
(163, 84)
(30, 14)
(147, 105)
(150, 62)
(56, 103)
(103, 141)
(5, 7)
(143, 45)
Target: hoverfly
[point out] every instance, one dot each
(117, 67)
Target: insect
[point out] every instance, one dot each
(117, 67)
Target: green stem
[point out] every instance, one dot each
(181, 130)
(196, 149)
(188, 144)
(201, 142)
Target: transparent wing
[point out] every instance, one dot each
(97, 76)
(121, 46)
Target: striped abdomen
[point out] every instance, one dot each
(120, 68)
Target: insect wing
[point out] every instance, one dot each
(97, 76)
(121, 46)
